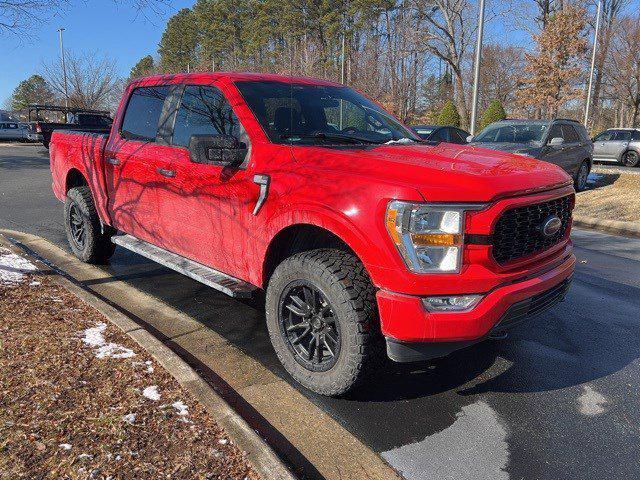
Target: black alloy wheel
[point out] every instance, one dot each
(582, 177)
(77, 226)
(308, 326)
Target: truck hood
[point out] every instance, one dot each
(442, 173)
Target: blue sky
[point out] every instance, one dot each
(116, 29)
(103, 26)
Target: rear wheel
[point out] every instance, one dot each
(322, 320)
(88, 241)
(580, 182)
(630, 159)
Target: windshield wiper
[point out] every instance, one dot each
(330, 136)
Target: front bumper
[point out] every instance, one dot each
(415, 334)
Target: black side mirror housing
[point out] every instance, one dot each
(221, 150)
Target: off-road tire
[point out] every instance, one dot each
(97, 247)
(344, 281)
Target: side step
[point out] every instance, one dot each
(203, 274)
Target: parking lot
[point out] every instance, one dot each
(557, 399)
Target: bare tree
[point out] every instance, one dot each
(625, 61)
(17, 16)
(92, 79)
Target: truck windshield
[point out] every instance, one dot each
(513, 133)
(320, 114)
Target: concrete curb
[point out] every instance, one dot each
(259, 454)
(616, 227)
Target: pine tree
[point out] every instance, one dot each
(449, 115)
(179, 43)
(494, 113)
(143, 68)
(34, 89)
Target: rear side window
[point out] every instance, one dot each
(143, 113)
(570, 135)
(204, 111)
(636, 135)
(623, 135)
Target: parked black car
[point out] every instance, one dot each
(439, 133)
(563, 142)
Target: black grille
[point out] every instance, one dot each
(518, 232)
(533, 306)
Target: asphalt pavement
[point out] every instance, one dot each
(559, 399)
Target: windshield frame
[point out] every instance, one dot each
(320, 137)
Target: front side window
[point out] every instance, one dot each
(636, 135)
(143, 113)
(204, 111)
(319, 114)
(604, 136)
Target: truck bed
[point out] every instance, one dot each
(72, 151)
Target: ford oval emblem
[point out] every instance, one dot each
(551, 226)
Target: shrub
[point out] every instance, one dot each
(449, 115)
(493, 113)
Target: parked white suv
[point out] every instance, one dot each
(620, 145)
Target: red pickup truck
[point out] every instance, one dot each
(361, 235)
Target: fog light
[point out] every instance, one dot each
(457, 303)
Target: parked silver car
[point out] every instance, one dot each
(620, 145)
(11, 131)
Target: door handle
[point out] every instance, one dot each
(113, 161)
(166, 173)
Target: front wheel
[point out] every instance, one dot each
(323, 322)
(630, 159)
(87, 240)
(580, 182)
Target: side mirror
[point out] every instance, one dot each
(470, 139)
(222, 150)
(556, 142)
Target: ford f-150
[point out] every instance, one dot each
(365, 239)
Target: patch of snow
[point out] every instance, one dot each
(223, 441)
(65, 446)
(591, 402)
(151, 393)
(129, 418)
(181, 408)
(13, 268)
(34, 284)
(149, 365)
(93, 337)
(85, 455)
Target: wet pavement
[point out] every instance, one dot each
(558, 399)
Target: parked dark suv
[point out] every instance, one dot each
(439, 133)
(563, 142)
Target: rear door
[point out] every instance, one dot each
(572, 149)
(600, 144)
(619, 144)
(133, 156)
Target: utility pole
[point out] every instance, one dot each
(593, 64)
(476, 70)
(64, 71)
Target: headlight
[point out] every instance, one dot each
(429, 237)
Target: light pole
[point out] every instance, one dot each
(64, 70)
(593, 64)
(476, 70)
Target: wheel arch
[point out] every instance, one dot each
(74, 178)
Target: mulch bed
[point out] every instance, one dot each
(72, 403)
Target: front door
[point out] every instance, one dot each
(557, 153)
(206, 209)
